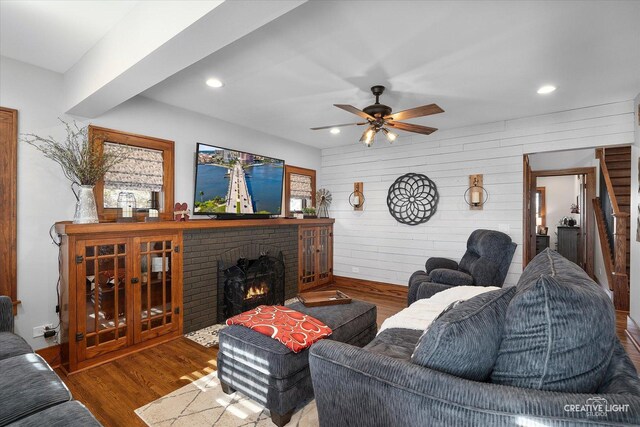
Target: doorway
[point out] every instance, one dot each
(558, 213)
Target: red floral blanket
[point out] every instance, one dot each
(294, 329)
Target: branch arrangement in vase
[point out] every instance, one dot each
(81, 161)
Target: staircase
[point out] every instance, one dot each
(618, 161)
(613, 209)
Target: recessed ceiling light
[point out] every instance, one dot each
(335, 131)
(214, 83)
(546, 89)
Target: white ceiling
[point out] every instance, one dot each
(55, 34)
(480, 61)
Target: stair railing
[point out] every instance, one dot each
(615, 221)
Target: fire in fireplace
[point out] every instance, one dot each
(256, 291)
(251, 276)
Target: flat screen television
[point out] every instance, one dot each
(235, 184)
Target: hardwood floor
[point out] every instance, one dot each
(114, 390)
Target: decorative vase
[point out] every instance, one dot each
(86, 212)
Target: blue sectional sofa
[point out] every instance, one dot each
(542, 354)
(31, 394)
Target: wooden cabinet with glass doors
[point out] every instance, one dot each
(124, 293)
(315, 256)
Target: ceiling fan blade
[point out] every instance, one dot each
(339, 126)
(354, 110)
(425, 110)
(425, 130)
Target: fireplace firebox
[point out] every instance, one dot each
(249, 276)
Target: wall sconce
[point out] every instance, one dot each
(476, 196)
(356, 199)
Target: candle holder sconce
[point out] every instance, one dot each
(356, 199)
(476, 196)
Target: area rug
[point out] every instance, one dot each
(203, 403)
(209, 336)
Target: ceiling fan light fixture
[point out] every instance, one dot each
(390, 135)
(368, 135)
(334, 131)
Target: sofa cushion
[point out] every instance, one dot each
(559, 330)
(465, 339)
(12, 345)
(68, 414)
(396, 342)
(28, 385)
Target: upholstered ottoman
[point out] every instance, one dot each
(271, 374)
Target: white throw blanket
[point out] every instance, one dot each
(421, 313)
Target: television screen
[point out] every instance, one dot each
(230, 182)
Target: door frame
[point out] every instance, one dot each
(9, 220)
(529, 225)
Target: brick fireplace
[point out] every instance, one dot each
(204, 248)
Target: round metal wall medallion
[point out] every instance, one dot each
(412, 199)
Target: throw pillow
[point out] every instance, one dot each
(559, 330)
(464, 340)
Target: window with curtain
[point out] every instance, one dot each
(301, 192)
(299, 189)
(147, 172)
(141, 173)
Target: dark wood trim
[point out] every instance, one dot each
(528, 218)
(588, 229)
(372, 287)
(51, 355)
(633, 332)
(562, 172)
(99, 135)
(288, 170)
(68, 228)
(8, 207)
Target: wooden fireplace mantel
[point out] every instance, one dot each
(68, 228)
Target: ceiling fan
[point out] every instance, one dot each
(379, 118)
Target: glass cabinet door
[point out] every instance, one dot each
(307, 258)
(103, 315)
(155, 300)
(324, 251)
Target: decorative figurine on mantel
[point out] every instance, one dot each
(181, 212)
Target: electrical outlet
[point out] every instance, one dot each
(38, 331)
(355, 270)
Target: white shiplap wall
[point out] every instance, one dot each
(372, 245)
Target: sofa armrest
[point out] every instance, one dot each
(356, 387)
(6, 314)
(451, 277)
(424, 290)
(436, 262)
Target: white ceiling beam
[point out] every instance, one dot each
(156, 40)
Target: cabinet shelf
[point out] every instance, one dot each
(315, 259)
(113, 306)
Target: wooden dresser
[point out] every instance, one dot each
(569, 243)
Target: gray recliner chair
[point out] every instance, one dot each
(486, 263)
